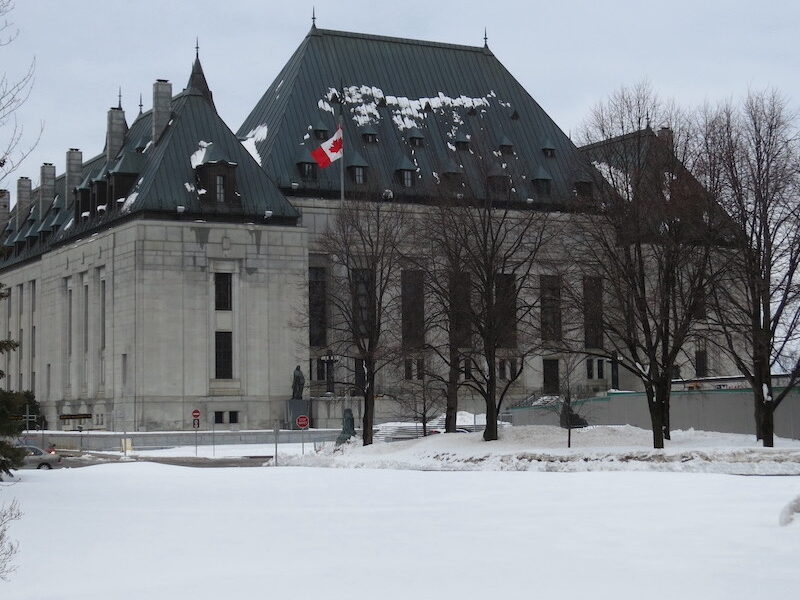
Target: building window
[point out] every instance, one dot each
(359, 175)
(701, 360)
(462, 145)
(506, 149)
(363, 282)
(593, 312)
(502, 369)
(416, 142)
(407, 178)
(589, 368)
(321, 134)
(505, 287)
(223, 287)
(102, 314)
(550, 307)
(308, 171)
(412, 309)
(219, 417)
(421, 369)
(466, 368)
(233, 417)
(321, 370)
(601, 368)
(85, 319)
(550, 382)
(33, 342)
(460, 313)
(542, 188)
(219, 185)
(317, 317)
(370, 138)
(499, 186)
(33, 296)
(69, 322)
(409, 369)
(223, 354)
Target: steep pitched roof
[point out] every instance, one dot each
(442, 92)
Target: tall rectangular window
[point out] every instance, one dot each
(68, 321)
(421, 368)
(33, 342)
(701, 359)
(223, 355)
(601, 368)
(506, 307)
(233, 417)
(409, 369)
(413, 309)
(551, 307)
(86, 318)
(589, 368)
(363, 281)
(317, 313)
(20, 289)
(219, 417)
(33, 296)
(220, 187)
(360, 376)
(593, 312)
(460, 314)
(102, 314)
(223, 291)
(550, 381)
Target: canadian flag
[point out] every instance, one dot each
(329, 151)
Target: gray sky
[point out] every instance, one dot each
(568, 54)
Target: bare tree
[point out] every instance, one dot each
(363, 243)
(13, 94)
(751, 157)
(422, 399)
(647, 232)
(8, 548)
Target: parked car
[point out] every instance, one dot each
(36, 458)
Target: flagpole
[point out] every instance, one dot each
(341, 126)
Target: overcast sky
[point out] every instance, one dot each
(567, 53)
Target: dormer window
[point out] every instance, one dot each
(359, 175)
(321, 134)
(415, 138)
(506, 149)
(406, 178)
(370, 138)
(462, 145)
(548, 149)
(499, 186)
(583, 189)
(308, 171)
(219, 187)
(542, 187)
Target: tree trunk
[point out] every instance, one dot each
(656, 418)
(368, 421)
(665, 418)
(451, 411)
(768, 424)
(490, 433)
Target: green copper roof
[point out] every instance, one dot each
(401, 88)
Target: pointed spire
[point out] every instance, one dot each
(197, 80)
(197, 48)
(140, 103)
(119, 98)
(485, 39)
(313, 17)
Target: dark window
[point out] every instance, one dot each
(701, 362)
(359, 175)
(412, 308)
(700, 307)
(549, 152)
(233, 417)
(417, 142)
(467, 368)
(363, 300)
(219, 417)
(321, 375)
(583, 189)
(551, 307)
(506, 149)
(512, 368)
(321, 134)
(550, 383)
(593, 312)
(223, 355)
(360, 377)
(462, 145)
(460, 310)
(589, 368)
(505, 289)
(420, 368)
(541, 187)
(222, 291)
(499, 186)
(407, 178)
(317, 313)
(370, 138)
(601, 368)
(502, 371)
(219, 184)
(409, 369)
(308, 171)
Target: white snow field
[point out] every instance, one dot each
(139, 530)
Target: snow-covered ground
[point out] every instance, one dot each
(133, 530)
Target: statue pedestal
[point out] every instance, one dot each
(296, 407)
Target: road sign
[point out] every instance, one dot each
(196, 423)
(302, 422)
(195, 414)
(78, 416)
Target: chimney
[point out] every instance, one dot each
(23, 200)
(162, 100)
(5, 201)
(116, 127)
(72, 178)
(667, 136)
(47, 187)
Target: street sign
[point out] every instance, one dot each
(79, 416)
(302, 422)
(196, 423)
(195, 414)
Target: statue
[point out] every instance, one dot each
(348, 427)
(298, 382)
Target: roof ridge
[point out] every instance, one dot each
(398, 40)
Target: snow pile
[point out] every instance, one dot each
(543, 448)
(197, 157)
(258, 134)
(788, 512)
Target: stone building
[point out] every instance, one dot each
(171, 271)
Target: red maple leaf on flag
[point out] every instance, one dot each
(336, 146)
